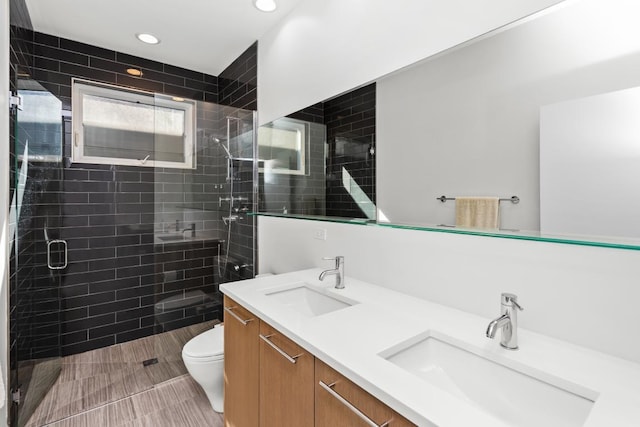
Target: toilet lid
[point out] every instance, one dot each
(207, 344)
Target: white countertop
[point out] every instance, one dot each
(350, 340)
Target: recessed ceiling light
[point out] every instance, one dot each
(134, 72)
(147, 38)
(265, 5)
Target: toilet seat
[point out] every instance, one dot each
(208, 346)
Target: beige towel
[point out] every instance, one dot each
(477, 212)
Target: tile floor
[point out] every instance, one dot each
(111, 387)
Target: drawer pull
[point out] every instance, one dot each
(238, 318)
(266, 339)
(349, 405)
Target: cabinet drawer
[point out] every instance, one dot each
(341, 403)
(241, 366)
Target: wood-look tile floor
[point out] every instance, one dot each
(112, 384)
(176, 403)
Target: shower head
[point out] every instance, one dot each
(221, 144)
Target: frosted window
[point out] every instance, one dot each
(120, 127)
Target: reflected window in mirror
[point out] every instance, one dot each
(339, 179)
(283, 147)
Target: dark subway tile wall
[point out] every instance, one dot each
(34, 315)
(57, 60)
(239, 81)
(351, 137)
(238, 88)
(120, 278)
(313, 114)
(34, 309)
(121, 282)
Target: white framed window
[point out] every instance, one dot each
(117, 126)
(283, 146)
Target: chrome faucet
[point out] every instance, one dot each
(338, 271)
(508, 322)
(192, 229)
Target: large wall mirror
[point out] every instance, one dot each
(545, 110)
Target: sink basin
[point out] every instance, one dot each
(508, 394)
(308, 301)
(170, 237)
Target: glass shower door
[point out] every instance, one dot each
(38, 255)
(202, 233)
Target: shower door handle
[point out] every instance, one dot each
(62, 266)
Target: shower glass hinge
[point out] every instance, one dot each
(15, 101)
(16, 396)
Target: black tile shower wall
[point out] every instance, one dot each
(57, 60)
(121, 282)
(15, 54)
(238, 83)
(313, 114)
(238, 88)
(35, 312)
(19, 63)
(351, 137)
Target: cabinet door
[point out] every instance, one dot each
(341, 403)
(286, 381)
(241, 366)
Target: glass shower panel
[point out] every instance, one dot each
(38, 253)
(202, 234)
(117, 265)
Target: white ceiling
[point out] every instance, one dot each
(201, 35)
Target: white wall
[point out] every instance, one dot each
(581, 294)
(589, 158)
(467, 123)
(326, 47)
(4, 198)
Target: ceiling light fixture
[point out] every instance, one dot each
(147, 38)
(265, 5)
(134, 72)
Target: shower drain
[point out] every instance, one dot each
(150, 361)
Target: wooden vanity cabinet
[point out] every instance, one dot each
(286, 381)
(270, 381)
(241, 366)
(341, 403)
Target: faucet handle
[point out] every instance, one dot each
(510, 299)
(338, 259)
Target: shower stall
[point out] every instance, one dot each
(126, 220)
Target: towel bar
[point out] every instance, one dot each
(512, 199)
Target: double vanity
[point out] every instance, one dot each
(296, 346)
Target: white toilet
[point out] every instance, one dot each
(203, 356)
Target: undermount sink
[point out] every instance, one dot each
(170, 237)
(308, 301)
(515, 397)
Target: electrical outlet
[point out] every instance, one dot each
(320, 234)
